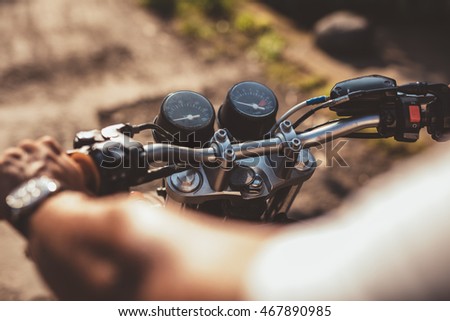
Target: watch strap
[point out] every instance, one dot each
(25, 199)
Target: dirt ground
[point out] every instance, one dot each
(65, 63)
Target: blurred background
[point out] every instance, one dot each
(67, 66)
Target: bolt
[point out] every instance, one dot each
(296, 144)
(228, 159)
(186, 182)
(256, 185)
(292, 148)
(221, 135)
(286, 126)
(187, 179)
(229, 154)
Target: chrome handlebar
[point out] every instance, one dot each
(337, 129)
(314, 137)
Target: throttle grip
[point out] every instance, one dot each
(89, 169)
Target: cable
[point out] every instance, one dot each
(327, 104)
(320, 125)
(294, 109)
(364, 136)
(357, 135)
(161, 131)
(307, 115)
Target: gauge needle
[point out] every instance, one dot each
(188, 117)
(255, 106)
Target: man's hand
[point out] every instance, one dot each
(33, 159)
(121, 248)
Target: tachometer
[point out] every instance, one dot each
(249, 110)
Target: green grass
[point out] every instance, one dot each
(251, 25)
(270, 46)
(296, 78)
(228, 29)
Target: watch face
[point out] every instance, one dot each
(29, 195)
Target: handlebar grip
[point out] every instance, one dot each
(439, 113)
(89, 169)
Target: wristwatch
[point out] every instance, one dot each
(25, 199)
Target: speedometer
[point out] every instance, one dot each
(249, 110)
(188, 116)
(253, 99)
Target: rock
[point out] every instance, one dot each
(344, 32)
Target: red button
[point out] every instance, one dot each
(414, 114)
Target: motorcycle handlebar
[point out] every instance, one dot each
(368, 102)
(337, 129)
(165, 153)
(317, 136)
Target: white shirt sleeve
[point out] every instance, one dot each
(390, 242)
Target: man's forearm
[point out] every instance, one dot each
(119, 248)
(79, 245)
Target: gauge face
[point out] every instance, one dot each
(249, 111)
(188, 117)
(253, 99)
(188, 110)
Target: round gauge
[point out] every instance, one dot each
(188, 116)
(249, 110)
(253, 99)
(187, 109)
